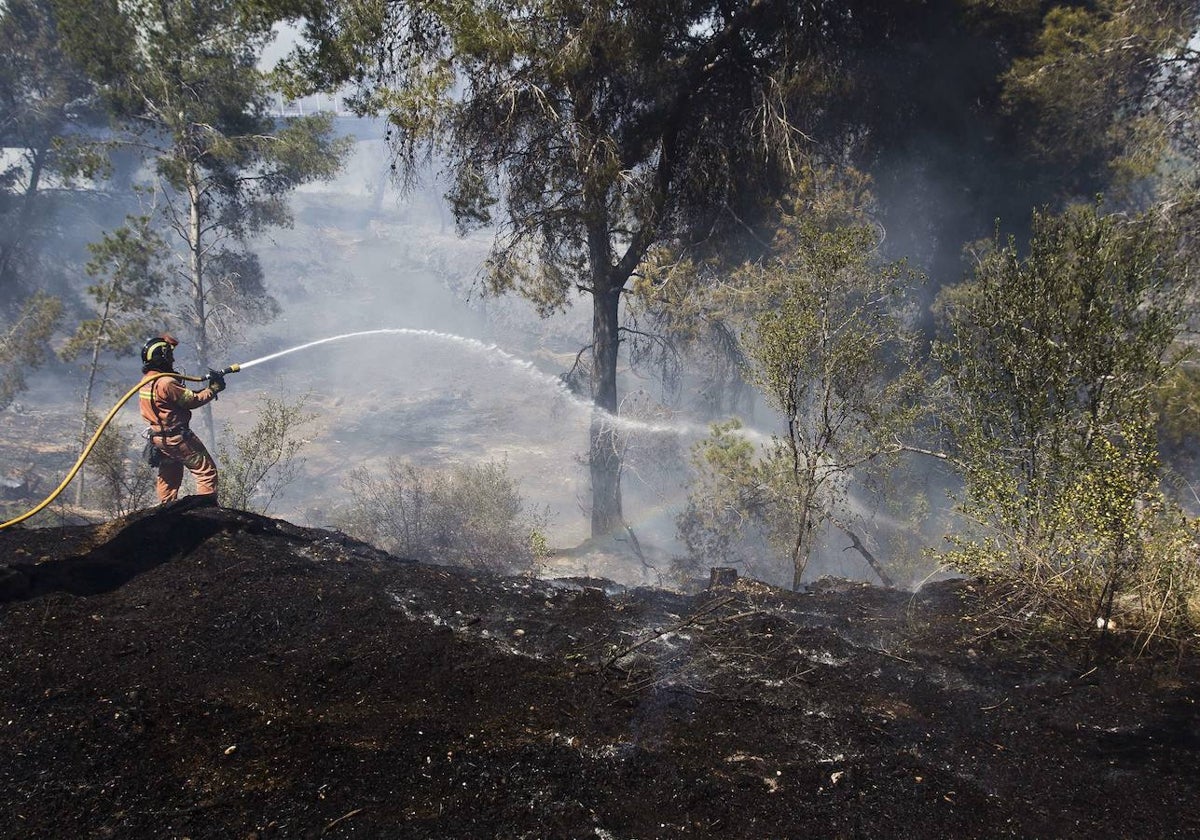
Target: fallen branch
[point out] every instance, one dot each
(692, 619)
(745, 614)
(875, 565)
(342, 817)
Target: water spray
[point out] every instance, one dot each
(526, 367)
(622, 423)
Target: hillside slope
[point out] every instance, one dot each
(204, 673)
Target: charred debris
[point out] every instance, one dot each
(200, 672)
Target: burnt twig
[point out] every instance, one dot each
(679, 625)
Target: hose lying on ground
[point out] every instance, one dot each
(87, 450)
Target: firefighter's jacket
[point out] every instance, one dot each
(167, 406)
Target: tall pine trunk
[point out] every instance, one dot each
(604, 450)
(14, 236)
(86, 430)
(196, 271)
(604, 454)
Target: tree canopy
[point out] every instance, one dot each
(598, 129)
(183, 83)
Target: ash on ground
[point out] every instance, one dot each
(205, 673)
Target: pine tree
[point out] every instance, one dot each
(128, 279)
(183, 80)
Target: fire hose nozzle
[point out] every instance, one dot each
(224, 372)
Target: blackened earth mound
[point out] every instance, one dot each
(204, 673)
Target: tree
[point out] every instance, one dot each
(827, 347)
(1110, 88)
(1052, 361)
(44, 97)
(1113, 84)
(25, 342)
(183, 78)
(727, 519)
(126, 268)
(600, 129)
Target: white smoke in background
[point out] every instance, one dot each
(445, 374)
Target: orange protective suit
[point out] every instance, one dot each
(167, 406)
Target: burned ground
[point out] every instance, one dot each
(203, 673)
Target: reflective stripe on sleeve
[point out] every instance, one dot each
(188, 398)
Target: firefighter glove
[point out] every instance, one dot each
(216, 382)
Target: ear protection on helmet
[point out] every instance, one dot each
(158, 353)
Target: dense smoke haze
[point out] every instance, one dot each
(916, 134)
(366, 255)
(637, 419)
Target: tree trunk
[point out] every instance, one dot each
(19, 233)
(93, 369)
(85, 430)
(871, 559)
(803, 544)
(196, 270)
(604, 452)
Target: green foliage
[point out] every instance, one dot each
(25, 343)
(586, 133)
(183, 79)
(1051, 363)
(45, 100)
(571, 106)
(821, 325)
(727, 520)
(262, 462)
(828, 349)
(539, 547)
(1177, 404)
(121, 482)
(1112, 83)
(1050, 353)
(471, 515)
(126, 268)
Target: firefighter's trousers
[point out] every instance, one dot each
(180, 451)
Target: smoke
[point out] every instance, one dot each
(449, 375)
(452, 376)
(459, 376)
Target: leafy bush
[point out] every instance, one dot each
(821, 324)
(122, 483)
(262, 462)
(1052, 359)
(471, 515)
(728, 515)
(1141, 584)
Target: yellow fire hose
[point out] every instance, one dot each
(87, 450)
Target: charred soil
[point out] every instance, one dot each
(205, 673)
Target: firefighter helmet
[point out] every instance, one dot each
(158, 353)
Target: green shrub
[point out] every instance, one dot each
(470, 515)
(121, 482)
(262, 462)
(1053, 356)
(727, 520)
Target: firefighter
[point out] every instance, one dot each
(167, 406)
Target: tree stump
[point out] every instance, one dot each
(722, 576)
